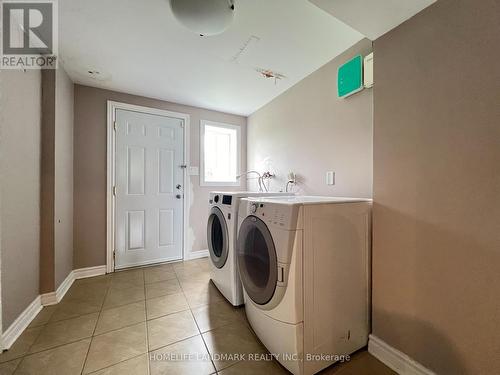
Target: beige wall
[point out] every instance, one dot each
(63, 241)
(20, 101)
(310, 131)
(90, 170)
(436, 233)
(56, 195)
(47, 182)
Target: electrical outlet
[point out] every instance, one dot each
(330, 178)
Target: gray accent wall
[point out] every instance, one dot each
(309, 130)
(436, 215)
(90, 170)
(20, 132)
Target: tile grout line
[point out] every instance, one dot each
(147, 324)
(238, 320)
(190, 308)
(203, 340)
(117, 363)
(72, 317)
(162, 316)
(27, 353)
(117, 329)
(108, 286)
(172, 343)
(201, 334)
(95, 327)
(125, 304)
(52, 348)
(17, 366)
(42, 328)
(196, 323)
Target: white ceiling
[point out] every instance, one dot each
(373, 18)
(139, 48)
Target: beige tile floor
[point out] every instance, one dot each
(167, 319)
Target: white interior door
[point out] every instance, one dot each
(149, 183)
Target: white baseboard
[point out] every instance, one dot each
(46, 299)
(21, 323)
(53, 298)
(396, 360)
(198, 254)
(83, 273)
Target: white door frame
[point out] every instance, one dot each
(110, 172)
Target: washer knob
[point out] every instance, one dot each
(253, 208)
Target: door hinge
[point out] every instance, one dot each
(115, 125)
(114, 255)
(114, 191)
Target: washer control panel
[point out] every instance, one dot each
(218, 199)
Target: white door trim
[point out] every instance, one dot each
(110, 172)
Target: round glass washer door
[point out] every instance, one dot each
(257, 260)
(217, 236)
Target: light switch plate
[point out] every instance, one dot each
(330, 178)
(194, 171)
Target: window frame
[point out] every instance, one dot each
(203, 124)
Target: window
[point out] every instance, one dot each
(220, 154)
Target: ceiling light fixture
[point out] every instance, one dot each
(205, 17)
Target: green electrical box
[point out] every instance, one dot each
(350, 77)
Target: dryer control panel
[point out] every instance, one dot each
(275, 214)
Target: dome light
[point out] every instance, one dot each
(205, 17)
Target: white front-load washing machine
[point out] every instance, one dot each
(304, 264)
(221, 235)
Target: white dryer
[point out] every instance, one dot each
(304, 264)
(221, 235)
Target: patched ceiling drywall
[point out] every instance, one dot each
(138, 47)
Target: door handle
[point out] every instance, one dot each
(178, 196)
(178, 186)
